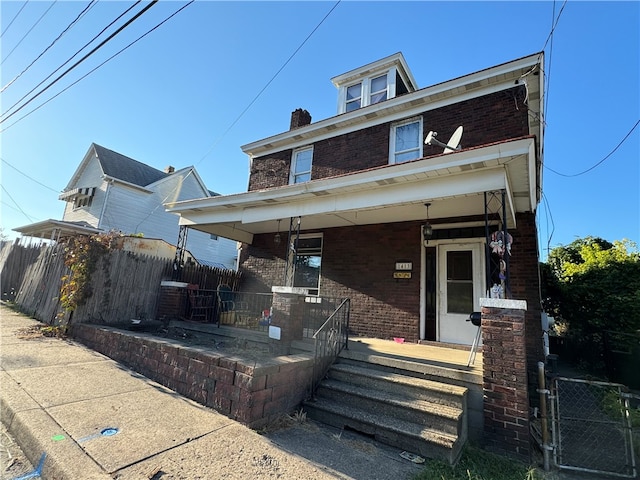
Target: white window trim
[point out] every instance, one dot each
(392, 138)
(294, 159)
(365, 91)
(319, 235)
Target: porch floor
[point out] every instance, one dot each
(422, 358)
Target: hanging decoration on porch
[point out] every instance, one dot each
(501, 245)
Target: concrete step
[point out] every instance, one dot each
(402, 434)
(395, 405)
(407, 386)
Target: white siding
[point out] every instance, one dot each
(91, 176)
(132, 210)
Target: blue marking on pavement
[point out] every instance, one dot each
(107, 432)
(37, 472)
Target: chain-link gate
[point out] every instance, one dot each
(591, 427)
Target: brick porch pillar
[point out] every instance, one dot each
(288, 310)
(172, 301)
(504, 356)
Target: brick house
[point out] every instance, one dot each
(372, 205)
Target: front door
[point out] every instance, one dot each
(460, 283)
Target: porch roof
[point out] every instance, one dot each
(56, 229)
(453, 183)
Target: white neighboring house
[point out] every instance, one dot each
(110, 191)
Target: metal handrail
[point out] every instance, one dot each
(330, 339)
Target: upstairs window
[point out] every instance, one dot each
(406, 141)
(301, 165)
(354, 97)
(378, 89)
(367, 92)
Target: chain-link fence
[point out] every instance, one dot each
(592, 427)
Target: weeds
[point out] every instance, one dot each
(476, 464)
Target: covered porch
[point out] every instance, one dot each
(437, 211)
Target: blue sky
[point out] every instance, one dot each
(202, 84)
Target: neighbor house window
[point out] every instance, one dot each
(83, 201)
(301, 165)
(308, 262)
(406, 141)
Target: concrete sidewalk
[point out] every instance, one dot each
(91, 418)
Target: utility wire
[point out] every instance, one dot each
(86, 9)
(601, 161)
(25, 35)
(215, 143)
(14, 18)
(73, 56)
(246, 109)
(100, 45)
(16, 203)
(30, 178)
(100, 65)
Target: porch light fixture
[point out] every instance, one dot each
(276, 238)
(427, 229)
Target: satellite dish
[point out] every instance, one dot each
(451, 146)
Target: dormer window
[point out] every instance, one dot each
(354, 97)
(373, 83)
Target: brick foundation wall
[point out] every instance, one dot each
(252, 393)
(506, 402)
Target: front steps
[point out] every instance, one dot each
(424, 417)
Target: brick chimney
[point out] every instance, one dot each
(299, 118)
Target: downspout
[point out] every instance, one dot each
(104, 204)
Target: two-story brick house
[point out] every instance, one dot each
(359, 206)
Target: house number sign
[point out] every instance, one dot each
(404, 266)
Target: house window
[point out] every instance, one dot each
(354, 97)
(378, 89)
(366, 92)
(301, 165)
(213, 237)
(406, 141)
(82, 201)
(308, 262)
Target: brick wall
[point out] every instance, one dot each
(253, 393)
(525, 285)
(506, 402)
(487, 119)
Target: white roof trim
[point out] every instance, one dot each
(463, 88)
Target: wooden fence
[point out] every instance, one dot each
(123, 286)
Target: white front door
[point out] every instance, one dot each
(460, 287)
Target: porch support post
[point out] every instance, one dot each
(506, 399)
(287, 316)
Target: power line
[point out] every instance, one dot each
(30, 178)
(100, 65)
(25, 35)
(268, 83)
(601, 161)
(74, 55)
(109, 38)
(80, 15)
(16, 203)
(14, 18)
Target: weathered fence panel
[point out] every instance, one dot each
(124, 285)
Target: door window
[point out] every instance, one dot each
(460, 282)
